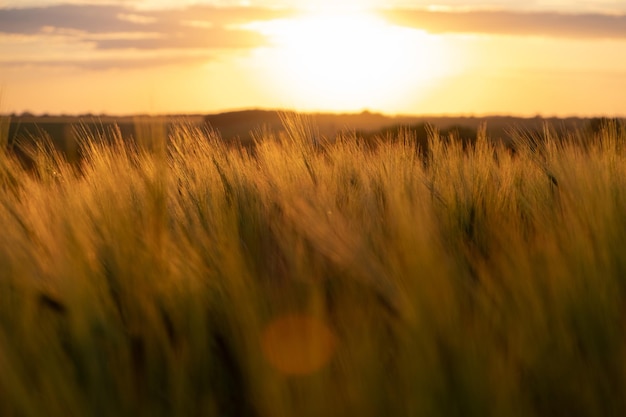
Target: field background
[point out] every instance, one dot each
(176, 273)
(241, 125)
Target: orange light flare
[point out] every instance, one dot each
(298, 344)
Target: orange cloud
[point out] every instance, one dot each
(549, 24)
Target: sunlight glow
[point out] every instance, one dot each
(350, 61)
(298, 344)
(338, 5)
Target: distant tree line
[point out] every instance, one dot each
(238, 127)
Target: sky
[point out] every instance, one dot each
(454, 57)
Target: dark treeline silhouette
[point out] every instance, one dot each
(65, 133)
(598, 124)
(419, 134)
(241, 127)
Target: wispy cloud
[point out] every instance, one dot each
(97, 36)
(219, 23)
(117, 27)
(549, 24)
(107, 63)
(92, 19)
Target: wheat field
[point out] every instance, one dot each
(179, 275)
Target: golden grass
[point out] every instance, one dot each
(158, 277)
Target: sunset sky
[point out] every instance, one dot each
(460, 57)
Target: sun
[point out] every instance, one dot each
(350, 60)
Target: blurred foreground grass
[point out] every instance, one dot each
(181, 276)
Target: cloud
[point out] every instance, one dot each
(550, 24)
(189, 38)
(110, 33)
(108, 63)
(92, 19)
(213, 27)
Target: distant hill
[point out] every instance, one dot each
(243, 124)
